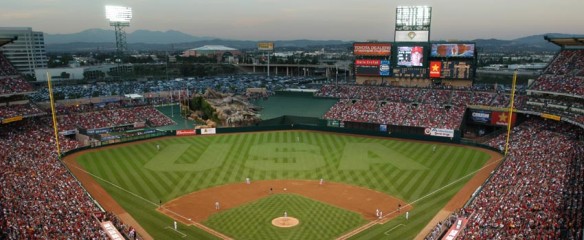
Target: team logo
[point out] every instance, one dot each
(411, 35)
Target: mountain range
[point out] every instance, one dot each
(144, 40)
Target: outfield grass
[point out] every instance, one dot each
(317, 220)
(405, 169)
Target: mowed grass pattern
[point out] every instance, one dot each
(406, 169)
(317, 220)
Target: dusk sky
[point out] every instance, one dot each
(303, 19)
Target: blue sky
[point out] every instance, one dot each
(303, 19)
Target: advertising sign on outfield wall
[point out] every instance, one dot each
(186, 132)
(208, 131)
(439, 132)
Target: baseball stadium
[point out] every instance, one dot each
(393, 155)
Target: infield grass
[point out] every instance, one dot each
(138, 176)
(317, 220)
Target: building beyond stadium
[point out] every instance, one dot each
(220, 52)
(27, 51)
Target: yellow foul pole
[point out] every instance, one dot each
(54, 114)
(510, 117)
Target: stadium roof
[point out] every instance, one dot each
(566, 41)
(214, 48)
(6, 39)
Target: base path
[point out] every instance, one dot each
(199, 205)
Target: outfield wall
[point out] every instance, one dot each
(307, 123)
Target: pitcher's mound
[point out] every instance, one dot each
(285, 222)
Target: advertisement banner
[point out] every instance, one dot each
(383, 128)
(367, 67)
(384, 68)
(68, 132)
(266, 46)
(435, 69)
(439, 132)
(206, 131)
(186, 132)
(367, 62)
(412, 36)
(481, 116)
(371, 49)
(502, 118)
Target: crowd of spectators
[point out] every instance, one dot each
(24, 110)
(565, 74)
(6, 68)
(396, 113)
(39, 198)
(419, 107)
(566, 62)
(14, 84)
(560, 83)
(111, 118)
(537, 191)
(10, 80)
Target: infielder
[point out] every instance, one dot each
(217, 206)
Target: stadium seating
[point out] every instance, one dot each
(39, 198)
(15, 110)
(537, 191)
(406, 106)
(565, 74)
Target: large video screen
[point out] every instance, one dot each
(410, 56)
(465, 50)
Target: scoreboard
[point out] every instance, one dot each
(451, 69)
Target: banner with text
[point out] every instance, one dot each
(186, 132)
(439, 132)
(481, 116)
(372, 49)
(266, 46)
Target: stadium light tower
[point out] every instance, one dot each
(119, 17)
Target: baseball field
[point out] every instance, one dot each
(331, 183)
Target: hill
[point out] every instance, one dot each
(146, 40)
